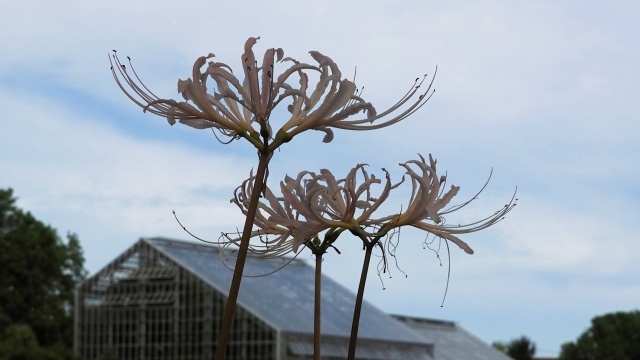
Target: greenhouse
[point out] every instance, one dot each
(164, 299)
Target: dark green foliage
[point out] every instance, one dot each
(19, 342)
(38, 276)
(611, 337)
(521, 348)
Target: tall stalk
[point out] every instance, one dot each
(227, 319)
(357, 309)
(358, 306)
(319, 249)
(317, 307)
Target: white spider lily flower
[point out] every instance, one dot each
(428, 201)
(337, 203)
(313, 203)
(426, 193)
(310, 204)
(242, 108)
(279, 224)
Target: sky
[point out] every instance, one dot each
(545, 93)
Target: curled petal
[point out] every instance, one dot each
(428, 201)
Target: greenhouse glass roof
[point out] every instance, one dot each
(284, 298)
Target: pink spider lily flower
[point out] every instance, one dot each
(242, 108)
(428, 201)
(278, 223)
(313, 203)
(336, 203)
(310, 204)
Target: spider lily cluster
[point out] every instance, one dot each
(314, 203)
(214, 98)
(310, 205)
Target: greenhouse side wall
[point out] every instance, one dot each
(145, 306)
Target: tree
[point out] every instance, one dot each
(611, 336)
(19, 342)
(521, 348)
(38, 277)
(501, 345)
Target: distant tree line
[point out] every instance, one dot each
(521, 348)
(613, 336)
(39, 272)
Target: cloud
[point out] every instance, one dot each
(80, 171)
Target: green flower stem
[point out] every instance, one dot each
(358, 306)
(317, 307)
(227, 319)
(357, 309)
(319, 249)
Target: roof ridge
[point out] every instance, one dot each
(210, 247)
